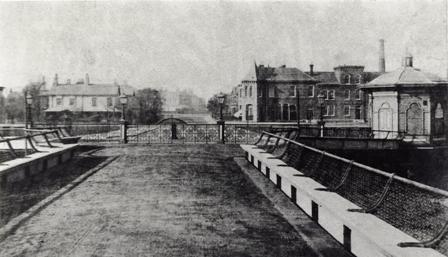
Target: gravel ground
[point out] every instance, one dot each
(164, 200)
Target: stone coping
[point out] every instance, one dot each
(369, 235)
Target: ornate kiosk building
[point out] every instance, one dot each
(409, 101)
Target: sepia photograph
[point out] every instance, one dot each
(224, 128)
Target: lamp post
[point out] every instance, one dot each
(221, 98)
(28, 114)
(124, 124)
(298, 109)
(28, 118)
(320, 99)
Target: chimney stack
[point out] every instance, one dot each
(382, 58)
(311, 70)
(87, 81)
(408, 60)
(55, 81)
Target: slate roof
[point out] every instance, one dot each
(325, 77)
(406, 76)
(89, 90)
(276, 74)
(329, 77)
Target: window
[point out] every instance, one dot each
(93, 101)
(330, 110)
(330, 94)
(358, 79)
(346, 79)
(358, 94)
(72, 101)
(358, 112)
(250, 91)
(58, 101)
(241, 107)
(292, 91)
(347, 94)
(271, 91)
(285, 112)
(292, 112)
(310, 91)
(245, 91)
(309, 114)
(279, 112)
(241, 92)
(324, 93)
(249, 113)
(260, 92)
(109, 101)
(347, 110)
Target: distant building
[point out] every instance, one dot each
(85, 99)
(181, 101)
(269, 94)
(343, 98)
(409, 100)
(232, 103)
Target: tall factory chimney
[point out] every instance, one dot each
(382, 58)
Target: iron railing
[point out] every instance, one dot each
(19, 147)
(419, 210)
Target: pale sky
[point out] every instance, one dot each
(209, 46)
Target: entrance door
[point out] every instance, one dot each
(414, 120)
(384, 120)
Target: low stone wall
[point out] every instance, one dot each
(362, 234)
(22, 168)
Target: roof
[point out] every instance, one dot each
(325, 77)
(407, 75)
(89, 90)
(277, 74)
(329, 77)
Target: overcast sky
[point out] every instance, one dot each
(209, 46)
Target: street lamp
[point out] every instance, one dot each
(28, 116)
(124, 124)
(124, 102)
(320, 99)
(221, 98)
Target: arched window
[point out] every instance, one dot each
(414, 119)
(439, 126)
(292, 112)
(250, 91)
(347, 94)
(346, 79)
(358, 79)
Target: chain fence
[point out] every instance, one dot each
(420, 211)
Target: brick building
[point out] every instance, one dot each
(271, 94)
(343, 98)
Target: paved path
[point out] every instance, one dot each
(166, 200)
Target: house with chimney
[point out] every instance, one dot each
(282, 94)
(269, 94)
(84, 99)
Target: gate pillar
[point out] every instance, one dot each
(124, 131)
(222, 127)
